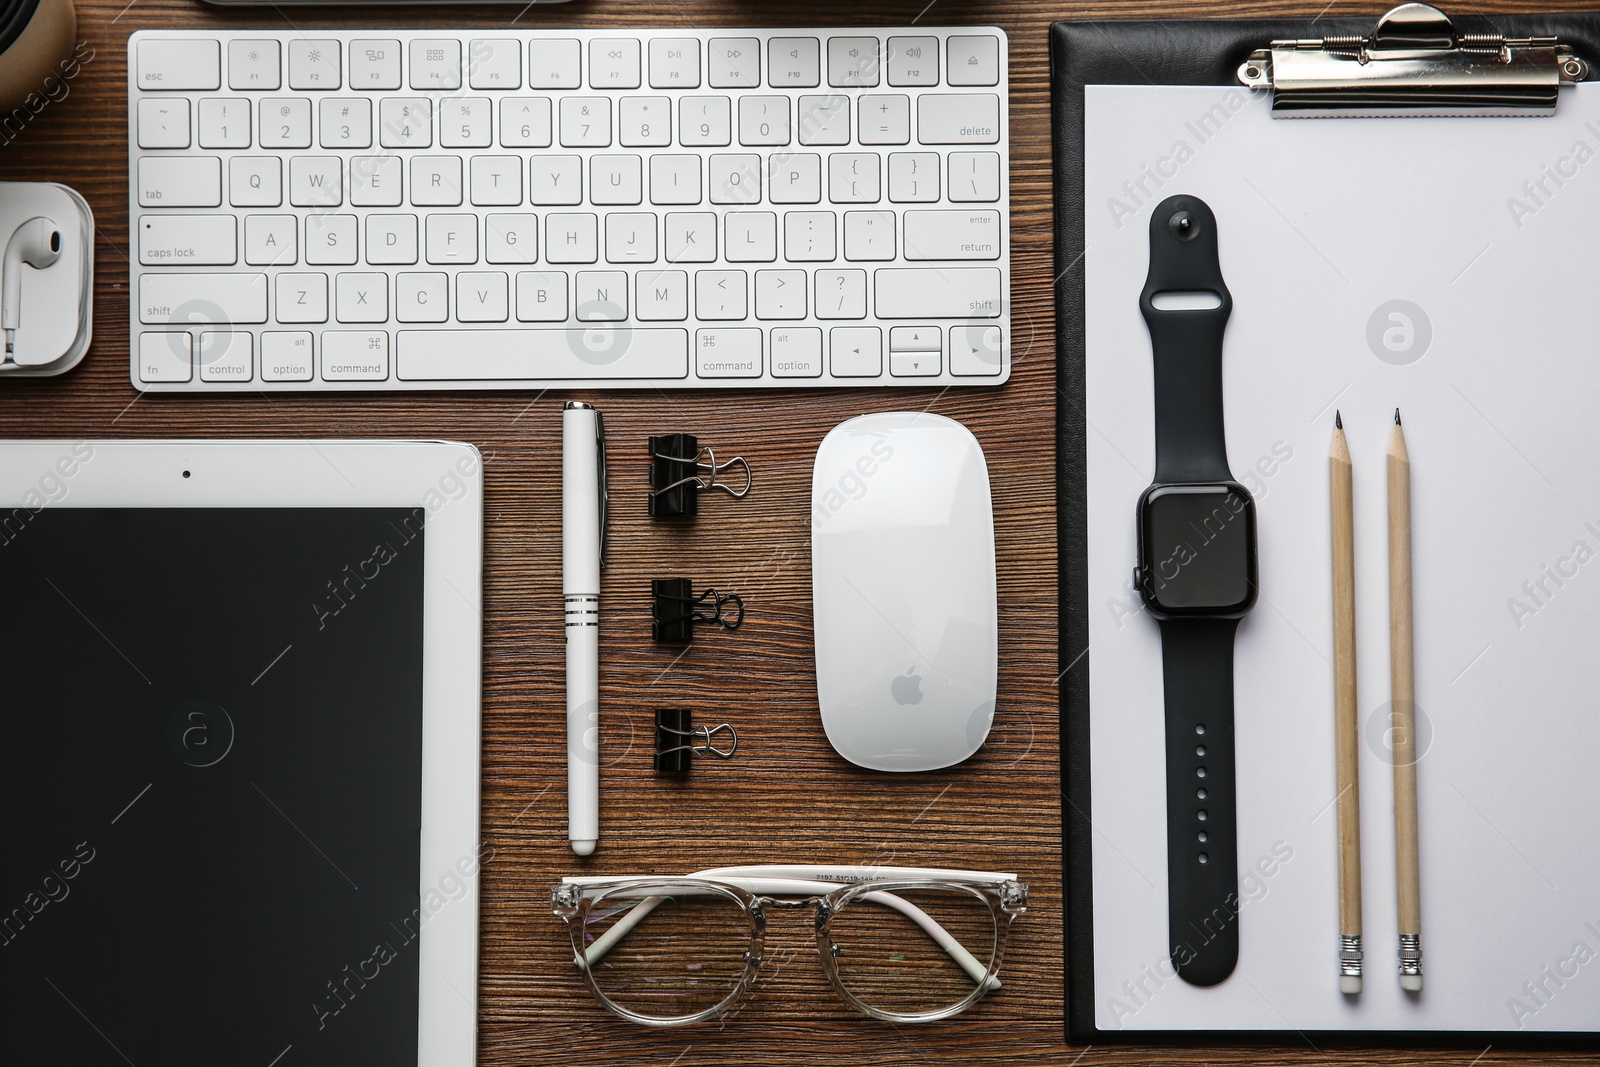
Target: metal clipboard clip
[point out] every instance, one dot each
(1414, 64)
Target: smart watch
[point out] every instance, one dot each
(1197, 574)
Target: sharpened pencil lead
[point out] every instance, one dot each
(1338, 421)
(1397, 416)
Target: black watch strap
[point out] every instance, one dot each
(1190, 445)
(1202, 835)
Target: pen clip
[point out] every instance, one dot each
(600, 465)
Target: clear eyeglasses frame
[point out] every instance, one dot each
(878, 971)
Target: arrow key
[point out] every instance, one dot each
(916, 339)
(914, 364)
(855, 351)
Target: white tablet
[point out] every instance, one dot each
(241, 705)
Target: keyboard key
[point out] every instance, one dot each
(374, 65)
(600, 296)
(436, 64)
(674, 63)
(361, 297)
(165, 357)
(913, 61)
(555, 180)
(285, 122)
(884, 119)
(644, 121)
(286, 356)
(511, 238)
(661, 296)
(180, 181)
(974, 177)
(313, 64)
(853, 178)
(735, 62)
(464, 122)
(375, 181)
(163, 123)
(436, 181)
(315, 181)
(728, 353)
(796, 352)
(354, 356)
(973, 234)
(392, 239)
(585, 122)
(571, 238)
(452, 238)
(630, 237)
(422, 296)
(224, 123)
(973, 60)
(780, 294)
(915, 351)
(841, 294)
(735, 179)
(869, 235)
(482, 296)
(302, 298)
(614, 63)
(253, 64)
(405, 123)
(691, 237)
(541, 296)
(824, 119)
(852, 61)
(179, 64)
(496, 181)
(331, 239)
(255, 181)
(674, 179)
(932, 292)
(616, 180)
(189, 240)
(958, 118)
(914, 177)
(720, 294)
(525, 122)
(809, 236)
(494, 64)
(975, 350)
(271, 240)
(750, 237)
(226, 356)
(794, 62)
(553, 63)
(855, 351)
(794, 179)
(552, 354)
(764, 120)
(346, 122)
(705, 121)
(190, 299)
(914, 364)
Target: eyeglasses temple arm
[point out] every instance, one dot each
(606, 941)
(977, 971)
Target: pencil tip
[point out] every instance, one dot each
(1397, 416)
(1338, 420)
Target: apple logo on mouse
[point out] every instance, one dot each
(907, 688)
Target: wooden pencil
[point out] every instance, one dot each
(1403, 706)
(1346, 729)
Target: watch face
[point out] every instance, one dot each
(1197, 549)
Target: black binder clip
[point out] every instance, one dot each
(680, 469)
(677, 609)
(679, 743)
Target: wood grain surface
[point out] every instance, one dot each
(786, 796)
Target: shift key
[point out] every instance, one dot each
(196, 299)
(937, 293)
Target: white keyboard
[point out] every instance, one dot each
(497, 209)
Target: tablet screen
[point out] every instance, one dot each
(211, 784)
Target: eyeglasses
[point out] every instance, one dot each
(897, 943)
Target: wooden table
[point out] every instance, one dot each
(787, 796)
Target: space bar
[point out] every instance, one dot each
(561, 354)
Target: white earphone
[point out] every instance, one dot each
(37, 243)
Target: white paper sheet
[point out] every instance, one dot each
(1487, 230)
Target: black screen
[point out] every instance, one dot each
(210, 776)
(1199, 545)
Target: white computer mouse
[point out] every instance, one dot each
(903, 591)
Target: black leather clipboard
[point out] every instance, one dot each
(1171, 52)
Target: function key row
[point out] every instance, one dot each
(558, 63)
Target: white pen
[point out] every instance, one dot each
(583, 524)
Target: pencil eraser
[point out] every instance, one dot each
(1349, 983)
(1411, 983)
